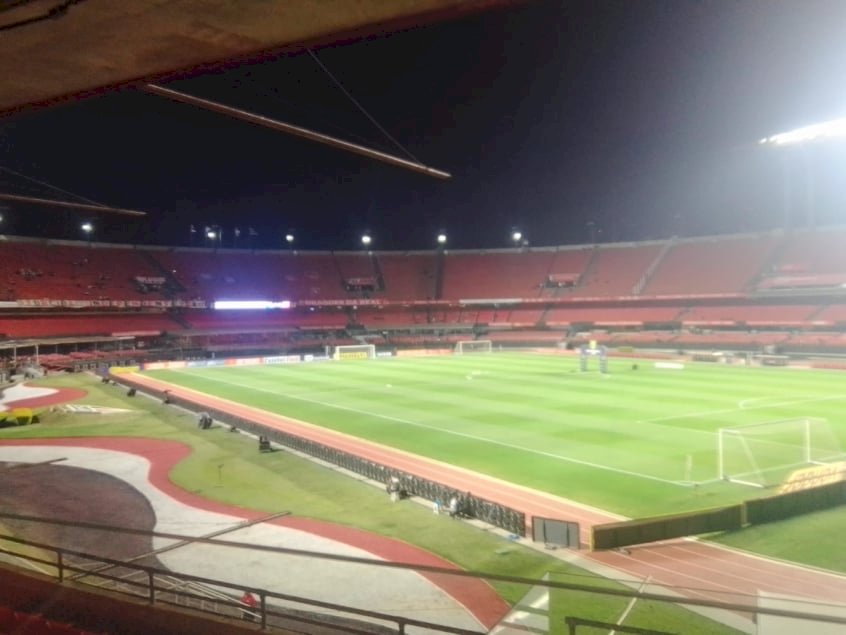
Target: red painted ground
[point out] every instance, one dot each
(62, 395)
(696, 569)
(475, 595)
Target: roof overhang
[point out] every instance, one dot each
(97, 45)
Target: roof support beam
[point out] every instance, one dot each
(297, 131)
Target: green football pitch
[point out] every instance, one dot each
(636, 441)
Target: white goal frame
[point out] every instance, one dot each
(803, 445)
(355, 351)
(467, 346)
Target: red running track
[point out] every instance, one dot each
(693, 568)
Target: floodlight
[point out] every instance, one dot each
(442, 238)
(516, 236)
(366, 240)
(87, 227)
(211, 235)
(834, 129)
(289, 238)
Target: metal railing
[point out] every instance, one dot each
(163, 587)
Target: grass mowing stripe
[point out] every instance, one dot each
(540, 405)
(782, 404)
(473, 437)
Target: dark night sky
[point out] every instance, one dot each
(638, 115)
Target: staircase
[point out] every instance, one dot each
(640, 285)
(340, 273)
(440, 268)
(772, 259)
(377, 270)
(590, 268)
(180, 319)
(172, 286)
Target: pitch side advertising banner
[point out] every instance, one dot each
(282, 359)
(245, 361)
(163, 365)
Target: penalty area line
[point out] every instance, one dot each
(706, 413)
(560, 457)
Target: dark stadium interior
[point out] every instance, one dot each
(607, 187)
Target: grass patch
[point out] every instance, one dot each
(631, 442)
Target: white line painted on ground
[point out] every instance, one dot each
(465, 435)
(707, 413)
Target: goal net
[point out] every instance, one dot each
(473, 346)
(356, 351)
(764, 454)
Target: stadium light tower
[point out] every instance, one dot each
(801, 139)
(214, 235)
(366, 240)
(289, 238)
(88, 228)
(824, 131)
(517, 237)
(442, 238)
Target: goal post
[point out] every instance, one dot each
(473, 346)
(764, 454)
(355, 351)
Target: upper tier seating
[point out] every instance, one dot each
(408, 276)
(225, 276)
(615, 270)
(507, 274)
(808, 259)
(812, 252)
(717, 266)
(355, 268)
(38, 271)
(246, 276)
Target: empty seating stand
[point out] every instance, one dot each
(716, 266)
(88, 324)
(31, 270)
(615, 270)
(505, 274)
(716, 282)
(408, 276)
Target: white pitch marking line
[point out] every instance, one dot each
(456, 433)
(704, 413)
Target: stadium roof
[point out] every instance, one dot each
(53, 50)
